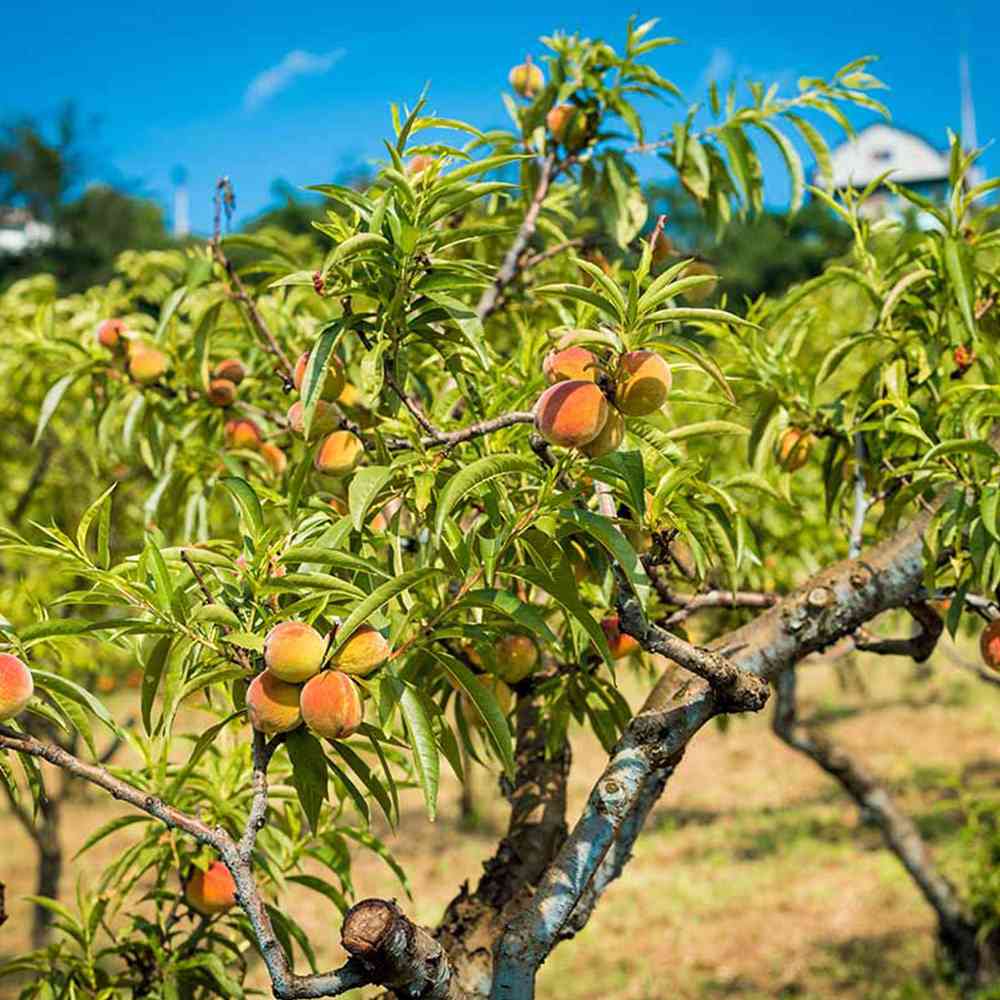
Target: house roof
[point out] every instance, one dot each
(880, 148)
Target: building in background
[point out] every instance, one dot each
(20, 231)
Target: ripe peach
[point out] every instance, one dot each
(334, 384)
(363, 652)
(331, 705)
(571, 413)
(16, 686)
(645, 383)
(418, 164)
(273, 704)
(339, 454)
(242, 434)
(277, 460)
(146, 364)
(620, 644)
(964, 357)
(527, 79)
(500, 691)
(573, 363)
(567, 124)
(794, 448)
(989, 645)
(110, 334)
(232, 369)
(212, 891)
(294, 651)
(699, 293)
(324, 418)
(516, 658)
(611, 436)
(221, 392)
(339, 506)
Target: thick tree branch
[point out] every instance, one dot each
(918, 646)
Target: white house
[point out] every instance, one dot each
(20, 231)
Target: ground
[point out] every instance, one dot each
(756, 877)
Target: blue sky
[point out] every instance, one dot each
(261, 91)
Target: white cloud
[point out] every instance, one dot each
(294, 64)
(719, 68)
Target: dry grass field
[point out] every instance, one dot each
(756, 877)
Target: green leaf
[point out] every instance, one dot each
(504, 602)
(88, 517)
(366, 484)
(247, 503)
(218, 614)
(956, 263)
(608, 534)
(425, 752)
(50, 403)
(474, 475)
(323, 888)
(309, 773)
(628, 467)
(169, 308)
(68, 689)
(112, 826)
(713, 427)
(246, 640)
(314, 379)
(152, 674)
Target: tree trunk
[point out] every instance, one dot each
(974, 956)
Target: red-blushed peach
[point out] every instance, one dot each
(333, 386)
(500, 691)
(620, 644)
(418, 164)
(331, 705)
(243, 434)
(294, 651)
(16, 686)
(339, 506)
(276, 459)
(147, 364)
(572, 364)
(210, 892)
(365, 650)
(273, 704)
(989, 645)
(221, 392)
(527, 80)
(571, 413)
(611, 436)
(231, 369)
(567, 124)
(339, 454)
(324, 418)
(516, 658)
(110, 334)
(645, 382)
(794, 449)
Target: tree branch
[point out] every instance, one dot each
(918, 646)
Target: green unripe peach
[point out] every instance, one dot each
(363, 652)
(294, 651)
(527, 79)
(331, 705)
(339, 454)
(16, 686)
(646, 380)
(570, 364)
(273, 704)
(571, 414)
(210, 892)
(333, 385)
(516, 658)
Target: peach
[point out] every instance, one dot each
(527, 79)
(572, 364)
(324, 418)
(611, 436)
(418, 164)
(212, 891)
(16, 686)
(294, 651)
(276, 459)
(500, 691)
(989, 645)
(794, 448)
(363, 652)
(221, 392)
(645, 383)
(699, 293)
(339, 454)
(242, 434)
(339, 506)
(571, 413)
(567, 124)
(273, 704)
(333, 386)
(231, 369)
(331, 705)
(964, 357)
(146, 364)
(620, 644)
(516, 658)
(110, 334)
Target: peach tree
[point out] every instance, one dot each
(419, 502)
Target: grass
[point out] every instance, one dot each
(756, 877)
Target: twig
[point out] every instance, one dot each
(860, 500)
(690, 603)
(919, 646)
(37, 476)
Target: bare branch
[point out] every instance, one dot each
(691, 603)
(918, 646)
